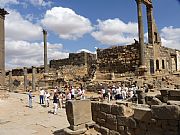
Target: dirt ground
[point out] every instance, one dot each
(16, 118)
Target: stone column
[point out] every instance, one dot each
(10, 81)
(141, 96)
(150, 25)
(45, 51)
(25, 79)
(2, 47)
(142, 67)
(33, 78)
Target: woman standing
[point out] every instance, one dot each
(55, 102)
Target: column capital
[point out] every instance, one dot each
(3, 12)
(44, 32)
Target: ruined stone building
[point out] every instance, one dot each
(155, 58)
(125, 59)
(76, 59)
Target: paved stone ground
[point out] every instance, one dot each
(16, 118)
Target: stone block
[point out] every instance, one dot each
(171, 102)
(111, 122)
(94, 117)
(142, 125)
(95, 106)
(175, 93)
(102, 122)
(172, 128)
(128, 104)
(152, 123)
(105, 107)
(104, 131)
(78, 112)
(164, 124)
(171, 133)
(97, 127)
(77, 127)
(174, 123)
(165, 112)
(155, 101)
(164, 92)
(68, 131)
(165, 99)
(112, 132)
(120, 129)
(129, 131)
(122, 120)
(90, 124)
(142, 114)
(154, 131)
(131, 123)
(102, 115)
(121, 110)
(139, 131)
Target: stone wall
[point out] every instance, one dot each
(118, 59)
(126, 119)
(77, 59)
(124, 60)
(20, 71)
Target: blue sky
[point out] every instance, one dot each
(75, 25)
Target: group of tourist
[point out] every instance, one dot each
(120, 92)
(59, 96)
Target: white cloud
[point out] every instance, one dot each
(66, 23)
(170, 37)
(40, 2)
(18, 28)
(22, 49)
(84, 50)
(23, 53)
(4, 3)
(115, 31)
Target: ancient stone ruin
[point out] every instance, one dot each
(159, 116)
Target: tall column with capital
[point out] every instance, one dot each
(2, 47)
(45, 51)
(142, 67)
(140, 31)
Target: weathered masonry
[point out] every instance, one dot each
(2, 47)
(76, 59)
(152, 57)
(125, 59)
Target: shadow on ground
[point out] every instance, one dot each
(59, 132)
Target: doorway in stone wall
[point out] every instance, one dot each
(151, 66)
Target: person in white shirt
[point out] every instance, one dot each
(83, 93)
(109, 95)
(80, 93)
(72, 93)
(42, 93)
(47, 96)
(68, 96)
(124, 91)
(103, 93)
(118, 93)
